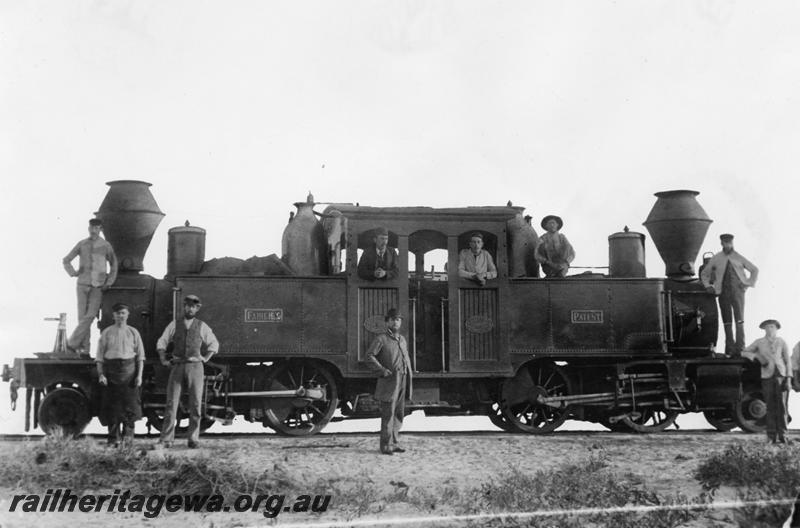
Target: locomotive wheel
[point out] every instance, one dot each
(155, 417)
(300, 416)
(520, 396)
(650, 421)
(750, 413)
(721, 420)
(499, 419)
(64, 410)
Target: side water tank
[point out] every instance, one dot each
(626, 254)
(303, 244)
(186, 249)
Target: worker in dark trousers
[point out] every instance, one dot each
(388, 354)
(772, 353)
(725, 276)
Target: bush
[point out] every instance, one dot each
(80, 465)
(758, 473)
(582, 486)
(752, 465)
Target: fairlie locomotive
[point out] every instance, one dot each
(618, 348)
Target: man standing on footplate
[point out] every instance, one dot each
(725, 277)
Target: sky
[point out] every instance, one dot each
(233, 111)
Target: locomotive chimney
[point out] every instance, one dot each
(130, 216)
(678, 224)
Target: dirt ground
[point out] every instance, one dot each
(434, 462)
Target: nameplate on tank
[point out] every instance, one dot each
(263, 315)
(587, 316)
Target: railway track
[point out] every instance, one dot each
(484, 434)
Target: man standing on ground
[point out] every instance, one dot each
(190, 337)
(796, 367)
(93, 280)
(120, 358)
(388, 354)
(776, 377)
(725, 276)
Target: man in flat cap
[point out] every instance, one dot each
(725, 276)
(120, 358)
(476, 263)
(193, 345)
(388, 355)
(378, 262)
(93, 280)
(772, 353)
(554, 252)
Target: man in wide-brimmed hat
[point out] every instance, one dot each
(193, 345)
(554, 253)
(120, 358)
(725, 276)
(388, 355)
(776, 377)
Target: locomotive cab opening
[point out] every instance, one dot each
(427, 292)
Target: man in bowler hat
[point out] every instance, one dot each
(554, 252)
(378, 262)
(772, 353)
(193, 345)
(388, 354)
(93, 280)
(725, 276)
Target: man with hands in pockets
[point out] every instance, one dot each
(388, 354)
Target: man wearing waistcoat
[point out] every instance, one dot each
(725, 276)
(388, 355)
(190, 338)
(93, 280)
(380, 261)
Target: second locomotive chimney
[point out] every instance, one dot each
(130, 216)
(678, 224)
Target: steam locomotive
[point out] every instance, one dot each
(618, 348)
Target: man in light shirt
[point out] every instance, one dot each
(772, 353)
(554, 251)
(476, 263)
(193, 345)
(725, 276)
(93, 280)
(120, 358)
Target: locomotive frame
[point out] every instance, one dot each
(620, 349)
